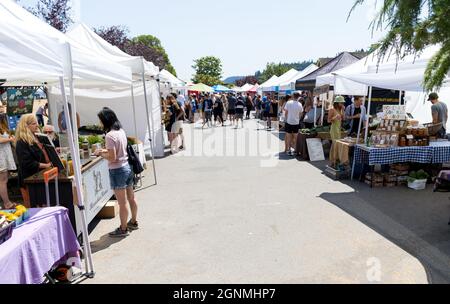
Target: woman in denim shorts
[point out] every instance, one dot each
(120, 173)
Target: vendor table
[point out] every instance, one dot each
(341, 152)
(436, 153)
(96, 190)
(45, 240)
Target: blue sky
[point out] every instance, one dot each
(245, 34)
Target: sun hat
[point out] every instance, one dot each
(339, 99)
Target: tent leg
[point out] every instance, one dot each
(78, 181)
(149, 128)
(366, 135)
(134, 111)
(357, 143)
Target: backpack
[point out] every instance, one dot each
(133, 160)
(442, 182)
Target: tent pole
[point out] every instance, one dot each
(134, 111)
(78, 183)
(366, 135)
(315, 113)
(148, 124)
(357, 143)
(76, 156)
(323, 112)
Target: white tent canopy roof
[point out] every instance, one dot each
(266, 86)
(285, 77)
(87, 37)
(166, 76)
(89, 69)
(406, 74)
(289, 84)
(343, 86)
(25, 59)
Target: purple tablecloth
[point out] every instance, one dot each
(37, 245)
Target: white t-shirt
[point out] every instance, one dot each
(294, 109)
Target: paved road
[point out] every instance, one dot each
(229, 212)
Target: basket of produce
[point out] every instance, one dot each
(418, 180)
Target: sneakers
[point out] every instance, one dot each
(132, 226)
(119, 233)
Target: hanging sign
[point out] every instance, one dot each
(20, 101)
(394, 112)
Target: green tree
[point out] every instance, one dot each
(208, 70)
(413, 26)
(159, 55)
(272, 69)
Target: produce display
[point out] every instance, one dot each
(419, 175)
(17, 215)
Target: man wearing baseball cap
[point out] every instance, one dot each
(439, 111)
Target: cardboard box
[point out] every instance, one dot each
(111, 210)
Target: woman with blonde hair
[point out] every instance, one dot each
(335, 117)
(7, 164)
(31, 155)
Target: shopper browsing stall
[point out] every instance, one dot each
(293, 110)
(335, 117)
(120, 173)
(31, 155)
(7, 164)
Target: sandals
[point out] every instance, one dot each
(12, 206)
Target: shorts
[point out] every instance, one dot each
(177, 127)
(291, 129)
(239, 115)
(231, 112)
(121, 178)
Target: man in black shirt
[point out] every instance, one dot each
(240, 106)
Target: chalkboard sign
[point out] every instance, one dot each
(315, 149)
(20, 101)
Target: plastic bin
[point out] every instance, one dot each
(418, 184)
(21, 219)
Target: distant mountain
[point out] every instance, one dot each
(232, 79)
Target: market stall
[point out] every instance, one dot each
(45, 240)
(49, 57)
(96, 190)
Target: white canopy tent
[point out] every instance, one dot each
(89, 69)
(289, 84)
(268, 85)
(282, 79)
(406, 74)
(344, 86)
(170, 83)
(38, 53)
(26, 60)
(144, 86)
(245, 88)
(167, 77)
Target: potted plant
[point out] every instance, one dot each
(95, 142)
(418, 180)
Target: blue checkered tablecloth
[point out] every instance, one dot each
(441, 152)
(386, 156)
